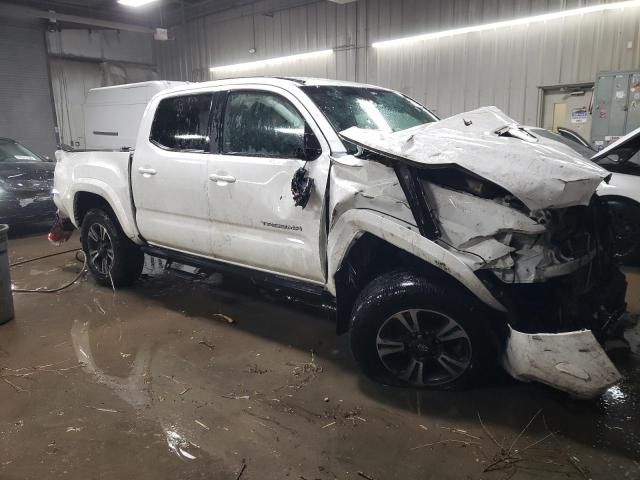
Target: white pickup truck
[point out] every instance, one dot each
(447, 245)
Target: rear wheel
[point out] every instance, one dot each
(112, 258)
(408, 331)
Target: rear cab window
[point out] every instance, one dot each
(183, 123)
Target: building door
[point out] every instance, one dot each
(569, 107)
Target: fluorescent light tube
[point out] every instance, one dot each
(270, 61)
(509, 23)
(135, 3)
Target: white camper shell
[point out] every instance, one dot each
(113, 114)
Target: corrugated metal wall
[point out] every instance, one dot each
(103, 45)
(83, 59)
(26, 112)
(504, 67)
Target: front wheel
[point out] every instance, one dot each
(113, 259)
(406, 330)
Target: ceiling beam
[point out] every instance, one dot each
(18, 11)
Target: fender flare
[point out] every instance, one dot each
(354, 223)
(124, 213)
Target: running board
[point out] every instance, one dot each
(262, 278)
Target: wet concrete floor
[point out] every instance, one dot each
(154, 382)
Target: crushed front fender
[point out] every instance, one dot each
(571, 361)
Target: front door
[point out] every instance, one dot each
(264, 134)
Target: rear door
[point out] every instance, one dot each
(264, 131)
(169, 175)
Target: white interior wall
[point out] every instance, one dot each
(504, 67)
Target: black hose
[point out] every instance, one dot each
(61, 287)
(22, 262)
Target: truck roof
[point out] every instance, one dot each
(286, 82)
(150, 83)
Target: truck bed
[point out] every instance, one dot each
(104, 173)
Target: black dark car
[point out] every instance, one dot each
(26, 181)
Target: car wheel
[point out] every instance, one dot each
(406, 330)
(113, 259)
(625, 223)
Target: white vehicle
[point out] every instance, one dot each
(621, 193)
(447, 245)
(112, 114)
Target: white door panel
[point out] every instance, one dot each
(252, 208)
(256, 221)
(170, 175)
(172, 209)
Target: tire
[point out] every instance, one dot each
(448, 349)
(625, 223)
(113, 259)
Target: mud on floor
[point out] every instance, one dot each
(211, 378)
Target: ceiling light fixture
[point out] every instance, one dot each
(135, 3)
(270, 61)
(509, 23)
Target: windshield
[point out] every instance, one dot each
(11, 151)
(370, 108)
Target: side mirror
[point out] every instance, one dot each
(47, 158)
(312, 148)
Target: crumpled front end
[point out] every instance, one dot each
(521, 212)
(553, 270)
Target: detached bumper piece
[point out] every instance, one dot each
(573, 362)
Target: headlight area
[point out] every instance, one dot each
(559, 319)
(467, 182)
(567, 279)
(552, 269)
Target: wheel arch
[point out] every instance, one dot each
(91, 196)
(364, 244)
(620, 199)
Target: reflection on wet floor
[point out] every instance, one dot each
(169, 388)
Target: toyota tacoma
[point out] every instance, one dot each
(448, 246)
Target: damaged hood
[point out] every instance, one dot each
(540, 172)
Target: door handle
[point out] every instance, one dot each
(147, 171)
(222, 178)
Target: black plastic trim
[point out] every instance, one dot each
(263, 278)
(418, 202)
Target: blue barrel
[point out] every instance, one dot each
(6, 297)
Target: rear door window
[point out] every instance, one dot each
(262, 124)
(183, 123)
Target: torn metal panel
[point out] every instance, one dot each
(466, 217)
(357, 183)
(540, 172)
(353, 223)
(572, 361)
